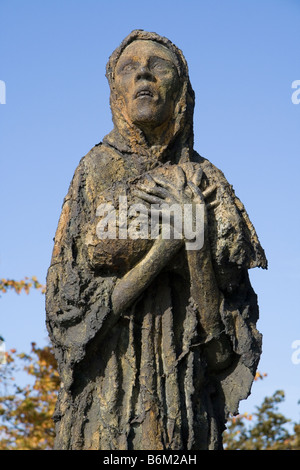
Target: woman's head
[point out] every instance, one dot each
(152, 100)
(147, 81)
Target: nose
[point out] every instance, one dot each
(144, 73)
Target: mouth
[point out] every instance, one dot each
(144, 93)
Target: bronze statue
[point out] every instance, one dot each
(156, 341)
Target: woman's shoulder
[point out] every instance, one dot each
(212, 172)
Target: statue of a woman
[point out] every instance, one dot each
(156, 343)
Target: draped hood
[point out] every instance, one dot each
(178, 141)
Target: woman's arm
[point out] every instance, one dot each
(130, 286)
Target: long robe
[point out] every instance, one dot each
(148, 379)
(154, 376)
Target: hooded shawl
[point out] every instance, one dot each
(143, 379)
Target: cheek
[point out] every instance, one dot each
(123, 89)
(169, 87)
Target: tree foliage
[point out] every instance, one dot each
(26, 411)
(24, 285)
(263, 430)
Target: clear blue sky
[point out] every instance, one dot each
(243, 57)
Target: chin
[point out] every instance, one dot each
(146, 123)
(148, 119)
(147, 114)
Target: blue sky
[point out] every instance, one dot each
(243, 57)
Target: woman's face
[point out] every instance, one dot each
(147, 80)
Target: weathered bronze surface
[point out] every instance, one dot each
(156, 344)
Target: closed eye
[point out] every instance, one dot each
(160, 65)
(129, 67)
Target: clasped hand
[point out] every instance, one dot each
(182, 188)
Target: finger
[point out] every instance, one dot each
(147, 197)
(212, 205)
(207, 192)
(157, 191)
(167, 185)
(180, 178)
(162, 181)
(197, 177)
(196, 192)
